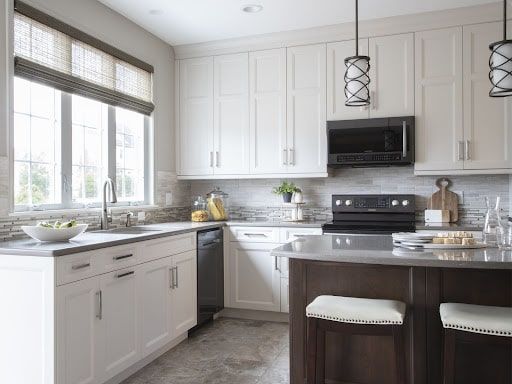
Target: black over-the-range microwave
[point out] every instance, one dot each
(371, 142)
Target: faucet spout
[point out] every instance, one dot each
(105, 217)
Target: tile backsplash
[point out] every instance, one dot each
(254, 197)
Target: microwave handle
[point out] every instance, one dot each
(404, 138)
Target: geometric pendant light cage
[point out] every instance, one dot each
(500, 63)
(357, 80)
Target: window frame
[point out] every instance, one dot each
(66, 140)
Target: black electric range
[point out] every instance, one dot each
(371, 214)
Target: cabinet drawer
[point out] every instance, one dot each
(76, 267)
(168, 246)
(255, 234)
(291, 234)
(115, 258)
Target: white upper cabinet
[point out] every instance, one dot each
(487, 120)
(439, 129)
(267, 98)
(306, 109)
(392, 75)
(231, 114)
(336, 54)
(196, 150)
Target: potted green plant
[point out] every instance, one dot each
(286, 190)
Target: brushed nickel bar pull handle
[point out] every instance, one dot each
(404, 139)
(276, 267)
(171, 277)
(255, 235)
(211, 159)
(285, 156)
(177, 277)
(217, 161)
(120, 275)
(99, 313)
(291, 156)
(373, 100)
(116, 258)
(468, 154)
(80, 266)
(460, 150)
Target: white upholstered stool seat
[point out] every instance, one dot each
(477, 318)
(357, 310)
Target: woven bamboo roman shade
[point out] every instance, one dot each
(54, 53)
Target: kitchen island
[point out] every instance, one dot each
(369, 266)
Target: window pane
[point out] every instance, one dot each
(36, 137)
(90, 119)
(130, 155)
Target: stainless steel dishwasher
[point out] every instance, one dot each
(210, 274)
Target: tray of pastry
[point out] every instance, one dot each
(443, 240)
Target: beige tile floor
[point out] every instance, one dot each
(226, 351)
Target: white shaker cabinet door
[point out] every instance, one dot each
(306, 109)
(255, 280)
(439, 129)
(231, 114)
(154, 291)
(118, 342)
(392, 75)
(487, 120)
(77, 322)
(196, 117)
(336, 54)
(267, 97)
(184, 293)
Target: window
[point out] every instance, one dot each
(56, 134)
(81, 111)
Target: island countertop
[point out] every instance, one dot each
(379, 249)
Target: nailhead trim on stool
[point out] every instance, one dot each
(482, 319)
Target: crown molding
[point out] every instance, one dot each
(369, 28)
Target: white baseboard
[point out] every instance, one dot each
(250, 314)
(148, 359)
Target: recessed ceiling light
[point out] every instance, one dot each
(252, 8)
(156, 12)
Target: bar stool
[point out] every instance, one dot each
(475, 323)
(352, 316)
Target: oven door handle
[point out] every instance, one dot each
(404, 139)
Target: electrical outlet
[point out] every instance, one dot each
(168, 199)
(141, 216)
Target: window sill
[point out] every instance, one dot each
(78, 211)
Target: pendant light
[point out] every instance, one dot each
(500, 63)
(356, 75)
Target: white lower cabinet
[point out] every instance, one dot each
(184, 294)
(77, 322)
(155, 287)
(257, 280)
(108, 322)
(117, 342)
(255, 277)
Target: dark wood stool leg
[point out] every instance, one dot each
(449, 356)
(398, 341)
(311, 350)
(320, 356)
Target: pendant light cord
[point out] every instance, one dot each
(357, 28)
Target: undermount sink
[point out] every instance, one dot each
(129, 231)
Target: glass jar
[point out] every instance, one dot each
(199, 209)
(504, 235)
(492, 225)
(218, 205)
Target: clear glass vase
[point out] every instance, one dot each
(492, 225)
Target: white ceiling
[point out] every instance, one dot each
(192, 21)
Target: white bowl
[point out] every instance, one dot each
(52, 234)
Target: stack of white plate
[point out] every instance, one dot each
(411, 239)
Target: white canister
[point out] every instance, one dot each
(298, 198)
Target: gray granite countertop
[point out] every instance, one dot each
(378, 249)
(89, 241)
(447, 227)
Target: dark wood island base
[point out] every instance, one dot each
(370, 359)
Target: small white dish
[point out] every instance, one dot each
(52, 234)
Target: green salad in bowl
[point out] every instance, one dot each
(57, 231)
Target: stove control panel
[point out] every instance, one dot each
(373, 203)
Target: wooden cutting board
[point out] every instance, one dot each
(445, 199)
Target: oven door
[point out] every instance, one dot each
(371, 142)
